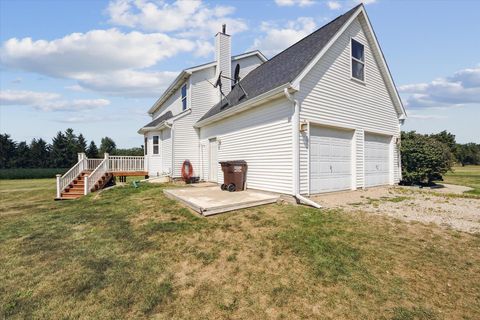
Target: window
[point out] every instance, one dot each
(145, 146)
(155, 144)
(184, 97)
(358, 60)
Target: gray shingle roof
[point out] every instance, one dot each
(167, 115)
(282, 68)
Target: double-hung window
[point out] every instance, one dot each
(184, 97)
(358, 60)
(155, 145)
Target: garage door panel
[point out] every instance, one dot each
(377, 159)
(330, 159)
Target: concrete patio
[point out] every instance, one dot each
(208, 200)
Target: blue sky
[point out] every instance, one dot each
(98, 66)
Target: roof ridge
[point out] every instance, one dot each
(314, 32)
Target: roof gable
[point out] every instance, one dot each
(284, 67)
(292, 64)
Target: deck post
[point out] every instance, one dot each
(85, 185)
(107, 162)
(59, 193)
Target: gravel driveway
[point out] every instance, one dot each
(412, 204)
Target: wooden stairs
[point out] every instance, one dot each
(76, 188)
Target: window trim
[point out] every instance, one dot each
(145, 147)
(364, 62)
(156, 144)
(184, 99)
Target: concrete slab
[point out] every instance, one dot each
(208, 200)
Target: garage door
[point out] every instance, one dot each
(330, 159)
(377, 160)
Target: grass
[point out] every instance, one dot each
(132, 253)
(30, 173)
(466, 176)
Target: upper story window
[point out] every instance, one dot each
(184, 97)
(155, 144)
(358, 60)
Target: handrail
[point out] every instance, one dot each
(95, 176)
(126, 163)
(69, 176)
(92, 163)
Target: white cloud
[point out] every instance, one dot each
(365, 2)
(108, 61)
(458, 90)
(48, 101)
(187, 18)
(290, 3)
(277, 39)
(334, 5)
(92, 52)
(129, 82)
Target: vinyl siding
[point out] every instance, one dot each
(328, 95)
(262, 137)
(246, 65)
(173, 103)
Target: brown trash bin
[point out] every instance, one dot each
(234, 175)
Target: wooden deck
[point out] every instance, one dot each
(129, 173)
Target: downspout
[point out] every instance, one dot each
(296, 151)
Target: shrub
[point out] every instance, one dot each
(424, 159)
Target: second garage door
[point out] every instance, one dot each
(377, 159)
(330, 159)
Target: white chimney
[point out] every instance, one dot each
(223, 57)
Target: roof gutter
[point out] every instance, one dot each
(276, 92)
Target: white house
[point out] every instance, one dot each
(323, 115)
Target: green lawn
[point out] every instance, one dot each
(131, 253)
(466, 176)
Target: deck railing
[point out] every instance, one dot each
(98, 168)
(70, 175)
(126, 163)
(95, 176)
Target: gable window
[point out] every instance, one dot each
(145, 146)
(155, 144)
(184, 97)
(358, 60)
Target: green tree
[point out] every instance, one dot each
(59, 157)
(22, 156)
(448, 139)
(92, 150)
(7, 151)
(81, 143)
(468, 154)
(107, 145)
(424, 158)
(71, 147)
(129, 152)
(40, 153)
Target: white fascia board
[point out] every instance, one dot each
(384, 68)
(248, 54)
(264, 97)
(184, 75)
(165, 123)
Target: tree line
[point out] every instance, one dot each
(60, 153)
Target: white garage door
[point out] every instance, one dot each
(377, 159)
(330, 159)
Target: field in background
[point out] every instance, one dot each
(132, 253)
(31, 173)
(466, 176)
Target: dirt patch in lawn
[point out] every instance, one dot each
(409, 204)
